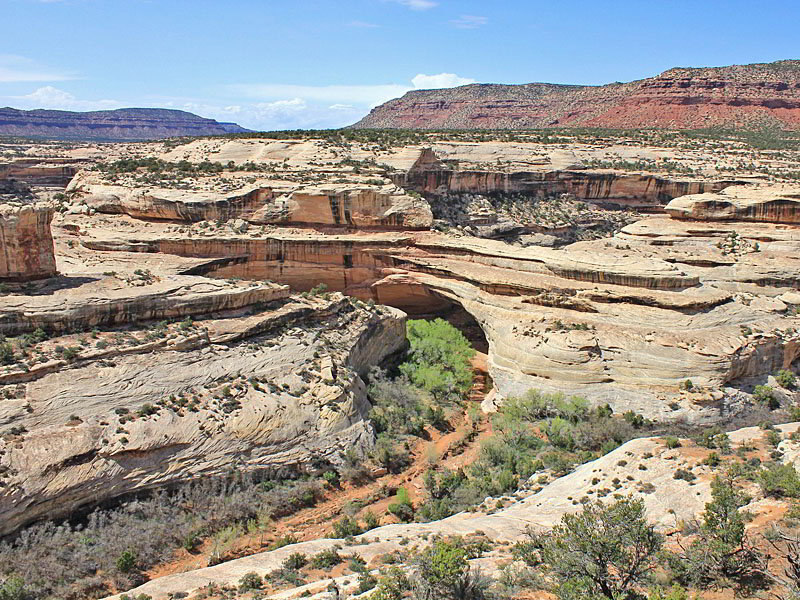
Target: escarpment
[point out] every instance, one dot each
(734, 96)
(613, 188)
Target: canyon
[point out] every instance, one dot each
(166, 325)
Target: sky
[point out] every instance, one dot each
(287, 64)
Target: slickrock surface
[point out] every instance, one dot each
(275, 384)
(668, 501)
(27, 243)
(680, 98)
(770, 204)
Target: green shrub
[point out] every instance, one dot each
(763, 394)
(295, 561)
(721, 554)
(684, 474)
(250, 581)
(786, 379)
(780, 481)
(13, 588)
(126, 562)
(390, 455)
(326, 559)
(439, 359)
(603, 551)
(672, 442)
(285, 540)
(7, 354)
(402, 507)
(346, 527)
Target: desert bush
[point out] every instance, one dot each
(346, 527)
(250, 581)
(326, 559)
(786, 379)
(295, 561)
(764, 394)
(603, 551)
(402, 507)
(780, 481)
(721, 555)
(148, 528)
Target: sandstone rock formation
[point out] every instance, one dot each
(770, 204)
(26, 241)
(680, 98)
(668, 501)
(623, 321)
(347, 205)
(260, 385)
(611, 188)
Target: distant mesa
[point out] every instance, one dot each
(124, 124)
(756, 96)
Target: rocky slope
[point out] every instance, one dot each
(756, 95)
(109, 125)
(644, 468)
(258, 379)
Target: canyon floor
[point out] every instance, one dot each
(181, 310)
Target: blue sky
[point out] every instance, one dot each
(271, 64)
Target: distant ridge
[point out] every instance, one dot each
(739, 96)
(110, 125)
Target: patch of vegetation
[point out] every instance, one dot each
(534, 433)
(605, 551)
(113, 547)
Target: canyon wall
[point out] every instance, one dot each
(766, 204)
(614, 188)
(26, 241)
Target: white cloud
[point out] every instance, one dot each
(346, 94)
(442, 80)
(20, 69)
(416, 4)
(53, 98)
(259, 106)
(363, 24)
(469, 22)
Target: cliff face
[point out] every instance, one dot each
(768, 204)
(109, 125)
(636, 189)
(346, 205)
(739, 95)
(26, 241)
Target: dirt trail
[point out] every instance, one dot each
(317, 521)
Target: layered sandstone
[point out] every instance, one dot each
(26, 241)
(345, 205)
(680, 98)
(630, 189)
(274, 386)
(770, 204)
(623, 321)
